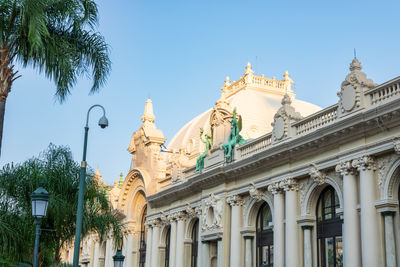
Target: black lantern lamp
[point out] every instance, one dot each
(40, 199)
(118, 259)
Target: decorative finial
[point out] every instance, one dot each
(248, 69)
(355, 53)
(148, 114)
(355, 65)
(97, 172)
(121, 180)
(227, 81)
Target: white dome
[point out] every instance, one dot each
(256, 98)
(257, 110)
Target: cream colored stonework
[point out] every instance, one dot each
(294, 150)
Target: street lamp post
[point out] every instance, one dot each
(40, 199)
(103, 123)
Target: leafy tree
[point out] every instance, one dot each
(58, 171)
(57, 37)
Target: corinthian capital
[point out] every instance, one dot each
(275, 188)
(318, 176)
(181, 215)
(344, 168)
(289, 184)
(364, 163)
(235, 200)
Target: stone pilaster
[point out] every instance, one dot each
(351, 225)
(172, 248)
(369, 225)
(181, 217)
(279, 227)
(235, 202)
(291, 187)
(155, 243)
(390, 243)
(307, 245)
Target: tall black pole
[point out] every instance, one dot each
(37, 235)
(79, 216)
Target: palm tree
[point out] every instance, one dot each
(58, 171)
(57, 37)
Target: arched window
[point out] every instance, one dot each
(265, 237)
(143, 236)
(195, 243)
(329, 230)
(167, 245)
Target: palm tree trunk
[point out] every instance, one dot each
(7, 77)
(2, 111)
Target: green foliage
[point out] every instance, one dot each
(58, 171)
(57, 37)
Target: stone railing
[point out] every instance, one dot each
(316, 120)
(384, 92)
(268, 83)
(254, 146)
(259, 82)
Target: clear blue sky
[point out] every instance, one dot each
(179, 52)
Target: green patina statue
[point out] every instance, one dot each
(234, 136)
(208, 142)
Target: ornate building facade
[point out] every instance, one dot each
(310, 187)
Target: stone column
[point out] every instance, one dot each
(291, 238)
(172, 246)
(199, 247)
(248, 260)
(180, 238)
(390, 239)
(155, 243)
(109, 253)
(307, 245)
(205, 254)
(279, 227)
(235, 202)
(219, 253)
(369, 224)
(129, 247)
(351, 224)
(148, 244)
(96, 253)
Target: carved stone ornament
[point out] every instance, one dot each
(344, 168)
(283, 116)
(396, 145)
(383, 166)
(355, 82)
(212, 214)
(235, 200)
(289, 184)
(164, 219)
(191, 211)
(255, 193)
(275, 188)
(364, 163)
(318, 176)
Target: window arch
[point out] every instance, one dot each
(195, 244)
(264, 237)
(143, 236)
(329, 230)
(167, 246)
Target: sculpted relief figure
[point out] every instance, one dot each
(208, 143)
(234, 136)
